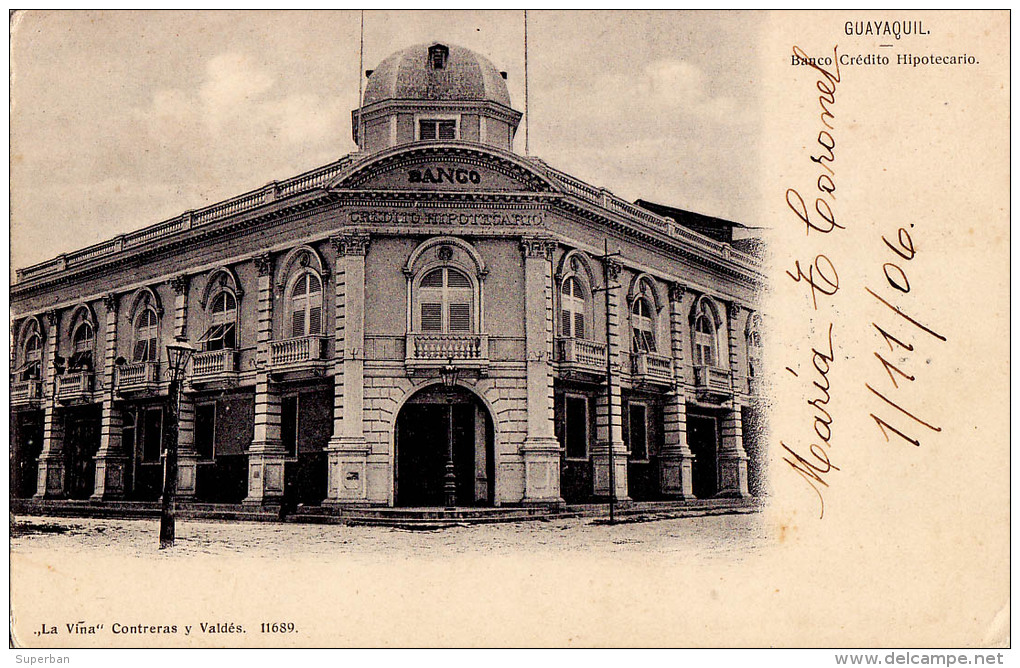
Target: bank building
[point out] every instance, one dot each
(433, 302)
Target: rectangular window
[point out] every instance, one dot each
(638, 431)
(431, 317)
(289, 424)
(577, 428)
(431, 130)
(152, 435)
(205, 430)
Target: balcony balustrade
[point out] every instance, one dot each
(434, 350)
(582, 355)
(299, 353)
(75, 386)
(652, 368)
(713, 383)
(137, 377)
(214, 365)
(26, 393)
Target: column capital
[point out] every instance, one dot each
(733, 309)
(264, 264)
(352, 243)
(51, 318)
(613, 269)
(538, 247)
(179, 284)
(677, 291)
(110, 302)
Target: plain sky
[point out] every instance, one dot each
(122, 119)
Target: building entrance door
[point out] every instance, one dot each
(81, 441)
(702, 438)
(426, 426)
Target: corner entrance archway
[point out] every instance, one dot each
(425, 426)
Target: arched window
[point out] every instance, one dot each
(704, 341)
(445, 301)
(643, 326)
(754, 349)
(83, 340)
(32, 368)
(146, 326)
(572, 309)
(222, 332)
(306, 306)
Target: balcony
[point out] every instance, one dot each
(580, 355)
(137, 377)
(712, 383)
(652, 368)
(75, 387)
(26, 393)
(214, 365)
(431, 351)
(300, 354)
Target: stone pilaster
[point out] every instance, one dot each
(676, 462)
(187, 458)
(347, 452)
(266, 454)
(52, 473)
(733, 311)
(111, 460)
(180, 288)
(609, 405)
(541, 450)
(732, 457)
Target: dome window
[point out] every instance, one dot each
(433, 129)
(437, 56)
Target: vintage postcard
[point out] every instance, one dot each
(510, 329)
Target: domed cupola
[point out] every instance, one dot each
(436, 92)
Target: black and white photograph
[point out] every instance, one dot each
(518, 328)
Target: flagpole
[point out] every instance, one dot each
(527, 116)
(361, 73)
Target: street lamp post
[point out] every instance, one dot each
(449, 375)
(177, 355)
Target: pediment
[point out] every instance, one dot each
(449, 167)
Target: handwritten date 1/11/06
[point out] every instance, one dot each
(277, 627)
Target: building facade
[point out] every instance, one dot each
(329, 307)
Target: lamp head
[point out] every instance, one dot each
(177, 355)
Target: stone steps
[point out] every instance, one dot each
(409, 518)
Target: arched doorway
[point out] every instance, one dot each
(425, 427)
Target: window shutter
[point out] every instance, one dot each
(565, 322)
(433, 279)
(139, 354)
(460, 317)
(579, 325)
(447, 129)
(298, 323)
(431, 317)
(315, 320)
(455, 279)
(230, 336)
(427, 129)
